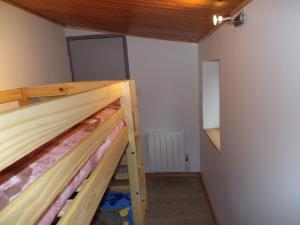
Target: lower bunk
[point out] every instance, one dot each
(115, 209)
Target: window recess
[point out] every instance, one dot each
(211, 102)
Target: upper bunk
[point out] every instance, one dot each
(56, 110)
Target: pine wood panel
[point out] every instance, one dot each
(214, 136)
(63, 89)
(24, 98)
(123, 161)
(121, 176)
(25, 129)
(139, 150)
(133, 160)
(29, 206)
(19, 95)
(86, 202)
(181, 20)
(10, 95)
(120, 186)
(65, 208)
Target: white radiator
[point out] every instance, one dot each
(166, 152)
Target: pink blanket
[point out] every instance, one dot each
(15, 179)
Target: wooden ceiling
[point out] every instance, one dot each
(180, 20)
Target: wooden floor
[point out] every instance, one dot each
(177, 201)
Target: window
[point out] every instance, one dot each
(211, 101)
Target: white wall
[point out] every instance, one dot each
(256, 179)
(166, 75)
(32, 50)
(69, 32)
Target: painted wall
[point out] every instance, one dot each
(166, 75)
(256, 179)
(72, 32)
(32, 50)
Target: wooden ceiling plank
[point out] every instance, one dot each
(181, 20)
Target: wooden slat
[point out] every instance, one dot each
(25, 129)
(144, 208)
(120, 186)
(10, 95)
(65, 208)
(133, 96)
(123, 161)
(24, 98)
(141, 173)
(28, 207)
(121, 176)
(63, 89)
(134, 105)
(132, 157)
(137, 140)
(86, 202)
(139, 150)
(80, 187)
(142, 183)
(135, 114)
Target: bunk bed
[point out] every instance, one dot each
(69, 138)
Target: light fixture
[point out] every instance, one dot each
(215, 20)
(237, 21)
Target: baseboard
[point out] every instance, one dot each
(209, 201)
(183, 174)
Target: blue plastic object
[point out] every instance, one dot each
(116, 200)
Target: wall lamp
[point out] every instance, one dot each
(237, 21)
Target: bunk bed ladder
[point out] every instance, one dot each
(134, 155)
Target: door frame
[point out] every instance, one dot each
(100, 36)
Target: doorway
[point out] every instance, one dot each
(98, 57)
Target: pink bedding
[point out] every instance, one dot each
(17, 178)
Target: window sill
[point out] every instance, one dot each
(214, 136)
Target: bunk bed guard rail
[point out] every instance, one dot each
(24, 129)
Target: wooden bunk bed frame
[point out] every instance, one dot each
(24, 129)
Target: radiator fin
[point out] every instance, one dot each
(166, 151)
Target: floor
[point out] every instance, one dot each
(177, 201)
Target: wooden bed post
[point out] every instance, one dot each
(24, 98)
(19, 95)
(134, 155)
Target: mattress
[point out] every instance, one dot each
(15, 179)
